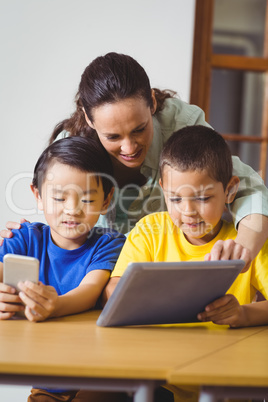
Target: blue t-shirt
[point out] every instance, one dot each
(60, 268)
(64, 269)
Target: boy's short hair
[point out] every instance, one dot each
(198, 148)
(85, 154)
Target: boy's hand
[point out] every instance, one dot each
(6, 233)
(40, 300)
(10, 303)
(224, 311)
(229, 250)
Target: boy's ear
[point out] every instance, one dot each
(160, 183)
(231, 189)
(106, 202)
(88, 121)
(37, 197)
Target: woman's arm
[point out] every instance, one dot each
(251, 197)
(252, 233)
(6, 233)
(250, 209)
(251, 236)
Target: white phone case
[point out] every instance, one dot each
(20, 268)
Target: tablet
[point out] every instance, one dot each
(167, 292)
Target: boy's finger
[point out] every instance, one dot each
(29, 287)
(6, 288)
(11, 307)
(6, 315)
(32, 315)
(222, 301)
(29, 302)
(9, 298)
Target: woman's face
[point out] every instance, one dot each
(125, 129)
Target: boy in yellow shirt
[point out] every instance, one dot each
(196, 178)
(197, 181)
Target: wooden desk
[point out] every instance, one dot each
(73, 353)
(238, 370)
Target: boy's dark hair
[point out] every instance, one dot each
(198, 148)
(85, 154)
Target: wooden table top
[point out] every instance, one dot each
(76, 346)
(243, 363)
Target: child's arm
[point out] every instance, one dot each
(7, 299)
(109, 289)
(227, 311)
(43, 302)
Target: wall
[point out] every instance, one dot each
(45, 46)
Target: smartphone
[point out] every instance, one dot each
(20, 268)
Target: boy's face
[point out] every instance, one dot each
(195, 203)
(72, 201)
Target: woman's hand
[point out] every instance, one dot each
(224, 311)
(6, 233)
(229, 250)
(10, 302)
(253, 233)
(40, 300)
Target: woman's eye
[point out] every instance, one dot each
(112, 137)
(140, 130)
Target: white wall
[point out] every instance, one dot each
(46, 45)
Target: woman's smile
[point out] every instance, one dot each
(129, 157)
(125, 129)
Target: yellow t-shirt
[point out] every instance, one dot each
(156, 238)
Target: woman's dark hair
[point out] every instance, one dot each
(85, 154)
(109, 79)
(198, 148)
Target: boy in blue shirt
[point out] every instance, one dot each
(72, 187)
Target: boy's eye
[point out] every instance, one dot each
(202, 199)
(58, 199)
(175, 199)
(88, 201)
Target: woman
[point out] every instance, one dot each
(132, 121)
